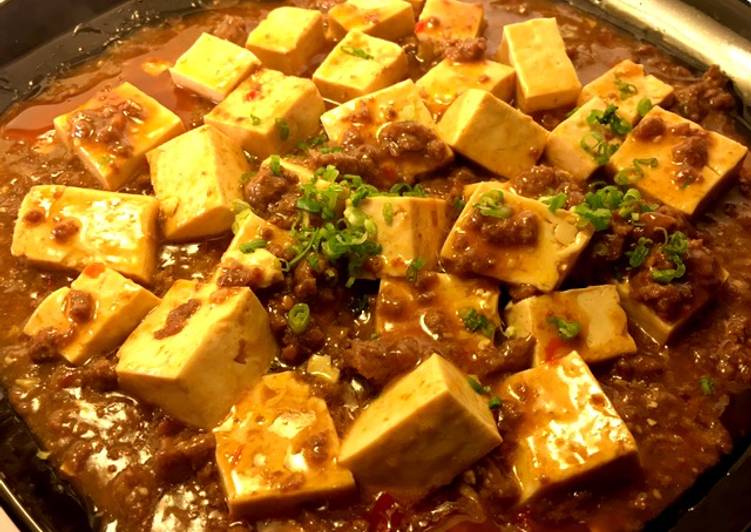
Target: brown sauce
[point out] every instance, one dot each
(140, 469)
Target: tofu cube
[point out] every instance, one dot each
(288, 39)
(449, 19)
(198, 351)
(269, 112)
(359, 65)
(492, 133)
(531, 246)
(676, 183)
(278, 449)
(568, 429)
(212, 67)
(441, 85)
(368, 117)
(386, 19)
(112, 132)
(410, 309)
(197, 178)
(420, 432)
(656, 327)
(545, 76)
(262, 265)
(625, 85)
(563, 149)
(70, 228)
(408, 229)
(97, 312)
(603, 324)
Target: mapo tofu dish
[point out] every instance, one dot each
(377, 265)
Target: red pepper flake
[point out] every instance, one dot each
(555, 347)
(93, 270)
(253, 94)
(421, 26)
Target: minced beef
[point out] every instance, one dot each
(45, 344)
(238, 275)
(64, 230)
(231, 28)
(542, 180)
(179, 457)
(273, 197)
(34, 216)
(387, 357)
(711, 93)
(177, 319)
(467, 50)
(650, 128)
(401, 138)
(79, 306)
(520, 229)
(107, 125)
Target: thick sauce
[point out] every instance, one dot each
(140, 470)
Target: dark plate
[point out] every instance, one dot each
(74, 30)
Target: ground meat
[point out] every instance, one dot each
(694, 151)
(387, 357)
(653, 225)
(179, 457)
(517, 292)
(107, 125)
(64, 230)
(177, 318)
(298, 347)
(356, 160)
(34, 216)
(611, 245)
(466, 51)
(99, 374)
(238, 275)
(231, 28)
(79, 306)
(305, 284)
(649, 128)
(520, 229)
(45, 345)
(401, 138)
(710, 93)
(273, 197)
(542, 180)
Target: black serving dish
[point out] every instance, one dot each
(34, 49)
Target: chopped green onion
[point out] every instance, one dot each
(250, 247)
(245, 177)
(492, 204)
(275, 164)
(388, 213)
(357, 52)
(567, 330)
(255, 120)
(476, 322)
(555, 202)
(707, 385)
(626, 90)
(639, 254)
(675, 250)
(414, 268)
(298, 318)
(283, 127)
(475, 384)
(494, 402)
(644, 106)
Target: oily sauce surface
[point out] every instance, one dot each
(140, 470)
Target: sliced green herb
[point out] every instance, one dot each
(298, 318)
(275, 164)
(492, 204)
(282, 127)
(476, 322)
(644, 106)
(245, 177)
(459, 203)
(414, 268)
(567, 330)
(250, 247)
(255, 120)
(475, 384)
(609, 118)
(357, 52)
(639, 254)
(625, 90)
(675, 250)
(707, 385)
(634, 172)
(494, 402)
(388, 213)
(555, 202)
(407, 190)
(601, 150)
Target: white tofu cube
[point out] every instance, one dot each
(625, 85)
(369, 118)
(278, 449)
(71, 227)
(545, 76)
(564, 150)
(212, 67)
(524, 243)
(420, 432)
(665, 165)
(269, 112)
(441, 85)
(568, 429)
(437, 306)
(492, 133)
(358, 65)
(198, 351)
(408, 229)
(449, 19)
(386, 19)
(94, 315)
(112, 132)
(595, 311)
(197, 178)
(261, 264)
(288, 39)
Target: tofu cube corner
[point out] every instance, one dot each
(596, 310)
(269, 112)
(530, 246)
(359, 65)
(626, 85)
(568, 429)
(436, 306)
(111, 132)
(386, 19)
(197, 178)
(69, 228)
(374, 115)
(278, 449)
(545, 76)
(212, 67)
(408, 229)
(421, 432)
(443, 83)
(197, 351)
(93, 315)
(676, 161)
(449, 19)
(288, 39)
